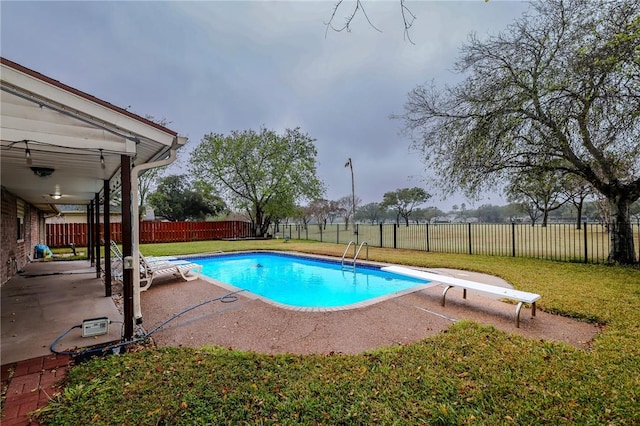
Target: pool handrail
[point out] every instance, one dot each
(345, 252)
(355, 252)
(364, 243)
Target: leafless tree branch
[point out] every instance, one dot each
(408, 17)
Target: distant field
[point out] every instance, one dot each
(561, 241)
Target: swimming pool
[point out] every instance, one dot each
(304, 282)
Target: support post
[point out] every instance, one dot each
(107, 239)
(127, 245)
(97, 234)
(90, 246)
(87, 236)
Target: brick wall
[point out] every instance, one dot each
(9, 232)
(34, 219)
(13, 252)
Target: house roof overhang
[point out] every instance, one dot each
(75, 141)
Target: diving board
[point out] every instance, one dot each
(506, 293)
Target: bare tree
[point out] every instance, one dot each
(346, 209)
(408, 17)
(320, 209)
(304, 214)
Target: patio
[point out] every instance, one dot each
(46, 300)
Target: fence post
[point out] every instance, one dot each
(395, 235)
(586, 251)
(638, 238)
(427, 236)
(338, 234)
(470, 250)
(320, 233)
(355, 231)
(381, 235)
(513, 239)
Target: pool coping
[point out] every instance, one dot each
(357, 305)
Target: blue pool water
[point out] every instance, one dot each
(301, 281)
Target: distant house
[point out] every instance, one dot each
(238, 217)
(78, 214)
(441, 219)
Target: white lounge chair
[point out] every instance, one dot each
(189, 271)
(154, 266)
(117, 263)
(116, 254)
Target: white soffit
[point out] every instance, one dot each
(70, 132)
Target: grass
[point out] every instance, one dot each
(471, 374)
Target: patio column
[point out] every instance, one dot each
(97, 234)
(90, 252)
(127, 245)
(107, 239)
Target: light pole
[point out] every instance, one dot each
(349, 164)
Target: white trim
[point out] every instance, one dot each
(74, 104)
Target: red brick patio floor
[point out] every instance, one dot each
(29, 385)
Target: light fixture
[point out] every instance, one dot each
(55, 196)
(27, 154)
(42, 171)
(102, 160)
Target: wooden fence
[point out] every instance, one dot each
(63, 234)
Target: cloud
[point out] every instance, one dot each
(222, 66)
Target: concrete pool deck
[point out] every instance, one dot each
(254, 325)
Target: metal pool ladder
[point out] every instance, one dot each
(356, 253)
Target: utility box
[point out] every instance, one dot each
(95, 327)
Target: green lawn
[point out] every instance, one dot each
(471, 374)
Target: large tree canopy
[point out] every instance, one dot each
(262, 173)
(176, 200)
(403, 201)
(559, 90)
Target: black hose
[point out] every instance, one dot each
(231, 297)
(227, 298)
(55, 342)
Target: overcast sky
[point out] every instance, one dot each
(222, 66)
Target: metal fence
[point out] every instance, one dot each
(556, 241)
